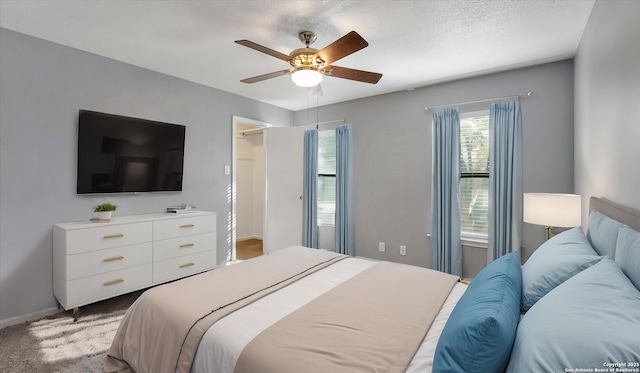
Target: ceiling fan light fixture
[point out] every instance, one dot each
(310, 64)
(306, 77)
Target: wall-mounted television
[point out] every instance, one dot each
(118, 154)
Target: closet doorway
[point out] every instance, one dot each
(248, 188)
(266, 192)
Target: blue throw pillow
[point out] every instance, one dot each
(591, 320)
(480, 331)
(555, 261)
(602, 232)
(628, 254)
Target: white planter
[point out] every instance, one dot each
(104, 215)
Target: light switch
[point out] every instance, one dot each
(227, 169)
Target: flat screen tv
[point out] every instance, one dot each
(119, 154)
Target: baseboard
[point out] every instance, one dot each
(248, 238)
(29, 317)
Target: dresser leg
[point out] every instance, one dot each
(76, 313)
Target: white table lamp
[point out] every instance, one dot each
(552, 210)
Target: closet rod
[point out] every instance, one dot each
(528, 94)
(251, 132)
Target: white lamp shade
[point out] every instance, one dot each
(306, 78)
(552, 209)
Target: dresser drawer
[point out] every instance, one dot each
(170, 269)
(101, 261)
(90, 239)
(183, 226)
(180, 246)
(106, 285)
(97, 261)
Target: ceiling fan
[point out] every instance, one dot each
(309, 65)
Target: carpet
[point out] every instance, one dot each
(58, 344)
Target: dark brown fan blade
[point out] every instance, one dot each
(352, 74)
(260, 48)
(260, 78)
(350, 43)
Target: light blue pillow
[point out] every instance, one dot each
(602, 232)
(628, 254)
(590, 320)
(479, 333)
(555, 261)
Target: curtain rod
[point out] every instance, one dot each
(259, 130)
(321, 123)
(329, 121)
(528, 94)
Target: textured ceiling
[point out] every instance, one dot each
(413, 43)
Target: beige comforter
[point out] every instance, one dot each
(374, 311)
(374, 322)
(162, 329)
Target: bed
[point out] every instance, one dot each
(574, 305)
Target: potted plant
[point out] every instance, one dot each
(104, 210)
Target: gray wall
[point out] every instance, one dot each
(43, 87)
(607, 86)
(392, 155)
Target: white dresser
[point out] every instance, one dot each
(96, 261)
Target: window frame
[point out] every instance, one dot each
(325, 175)
(469, 238)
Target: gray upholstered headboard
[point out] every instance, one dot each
(620, 213)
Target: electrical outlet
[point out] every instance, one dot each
(403, 250)
(381, 247)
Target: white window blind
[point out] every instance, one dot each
(474, 174)
(326, 178)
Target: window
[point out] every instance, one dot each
(326, 178)
(474, 174)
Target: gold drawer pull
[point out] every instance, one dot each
(186, 265)
(187, 245)
(113, 259)
(187, 226)
(113, 282)
(114, 235)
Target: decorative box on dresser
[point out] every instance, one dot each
(96, 261)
